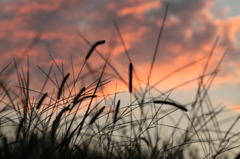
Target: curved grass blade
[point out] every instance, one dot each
(41, 100)
(83, 98)
(78, 95)
(170, 103)
(61, 88)
(57, 121)
(93, 47)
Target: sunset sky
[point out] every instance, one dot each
(190, 30)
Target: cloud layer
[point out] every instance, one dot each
(190, 31)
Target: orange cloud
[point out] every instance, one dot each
(130, 36)
(235, 108)
(33, 7)
(118, 50)
(229, 27)
(139, 9)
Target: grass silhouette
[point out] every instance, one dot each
(87, 123)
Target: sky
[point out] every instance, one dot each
(191, 27)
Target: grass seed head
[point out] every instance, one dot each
(93, 47)
(96, 115)
(61, 88)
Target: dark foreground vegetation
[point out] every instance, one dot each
(79, 120)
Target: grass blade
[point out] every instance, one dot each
(19, 128)
(78, 95)
(41, 100)
(83, 98)
(158, 42)
(56, 122)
